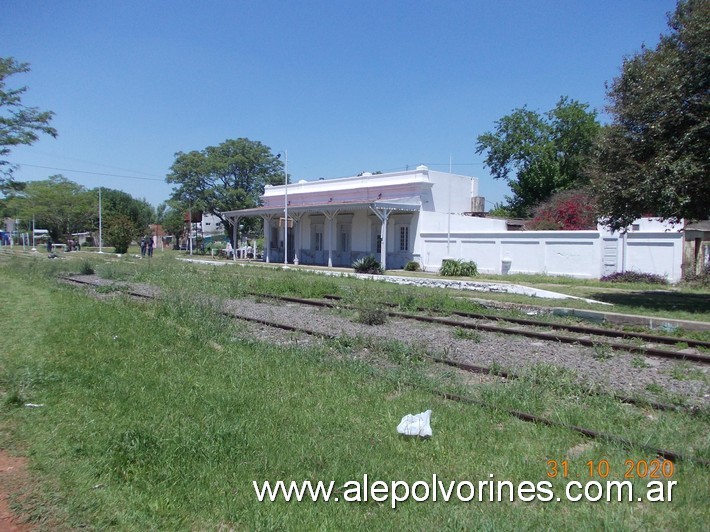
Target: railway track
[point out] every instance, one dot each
(524, 416)
(647, 350)
(582, 329)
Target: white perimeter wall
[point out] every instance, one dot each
(660, 253)
(583, 254)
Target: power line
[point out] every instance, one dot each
(36, 151)
(91, 173)
(454, 164)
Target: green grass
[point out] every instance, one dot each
(639, 362)
(160, 416)
(467, 334)
(678, 302)
(683, 371)
(602, 352)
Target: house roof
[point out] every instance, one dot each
(703, 225)
(400, 204)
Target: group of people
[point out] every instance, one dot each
(241, 253)
(146, 246)
(72, 245)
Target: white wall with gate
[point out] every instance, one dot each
(582, 254)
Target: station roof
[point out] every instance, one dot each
(400, 204)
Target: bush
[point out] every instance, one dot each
(567, 210)
(120, 231)
(458, 268)
(634, 277)
(368, 264)
(697, 280)
(374, 315)
(87, 268)
(412, 266)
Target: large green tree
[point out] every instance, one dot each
(226, 177)
(19, 124)
(171, 215)
(654, 159)
(57, 204)
(139, 212)
(540, 154)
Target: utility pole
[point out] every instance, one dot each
(101, 238)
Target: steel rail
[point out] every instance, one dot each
(645, 350)
(453, 363)
(510, 375)
(673, 456)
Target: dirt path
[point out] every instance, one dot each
(13, 477)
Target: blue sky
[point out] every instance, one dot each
(344, 86)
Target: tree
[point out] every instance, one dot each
(116, 202)
(539, 155)
(653, 159)
(499, 210)
(227, 177)
(171, 215)
(19, 124)
(120, 232)
(57, 204)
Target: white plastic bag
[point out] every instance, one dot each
(416, 425)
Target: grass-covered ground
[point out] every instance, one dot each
(161, 415)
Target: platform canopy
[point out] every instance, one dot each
(399, 204)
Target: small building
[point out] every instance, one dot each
(211, 225)
(82, 237)
(696, 250)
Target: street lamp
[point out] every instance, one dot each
(189, 234)
(278, 156)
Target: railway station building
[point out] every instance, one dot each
(336, 221)
(426, 216)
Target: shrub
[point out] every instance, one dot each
(120, 231)
(374, 315)
(458, 268)
(697, 280)
(412, 266)
(368, 264)
(566, 210)
(86, 268)
(634, 277)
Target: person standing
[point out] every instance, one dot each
(143, 246)
(150, 246)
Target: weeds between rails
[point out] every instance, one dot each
(648, 351)
(584, 329)
(524, 416)
(496, 371)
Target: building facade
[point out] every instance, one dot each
(334, 222)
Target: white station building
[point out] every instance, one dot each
(334, 222)
(426, 216)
